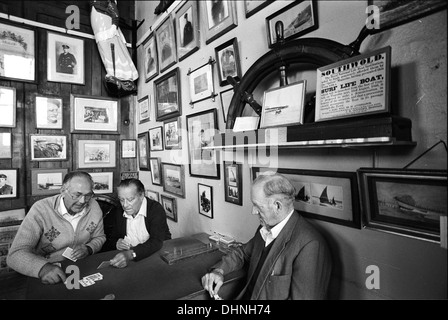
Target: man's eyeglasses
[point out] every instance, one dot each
(86, 196)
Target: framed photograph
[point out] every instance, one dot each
(170, 206)
(151, 61)
(228, 61)
(168, 96)
(47, 182)
(173, 177)
(9, 181)
(156, 139)
(95, 114)
(12, 217)
(156, 175)
(144, 110)
(298, 18)
(173, 134)
(5, 145)
(103, 182)
(218, 17)
(233, 183)
(284, 106)
(225, 98)
(201, 83)
(201, 128)
(404, 202)
(251, 7)
(65, 59)
(153, 195)
(205, 200)
(7, 105)
(187, 29)
(48, 112)
(96, 153)
(128, 148)
(46, 147)
(330, 196)
(17, 53)
(143, 151)
(128, 175)
(166, 44)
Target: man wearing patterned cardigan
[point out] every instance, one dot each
(71, 219)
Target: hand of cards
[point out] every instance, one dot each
(68, 253)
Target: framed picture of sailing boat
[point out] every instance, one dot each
(324, 195)
(404, 202)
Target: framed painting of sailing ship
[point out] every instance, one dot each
(47, 181)
(324, 195)
(404, 202)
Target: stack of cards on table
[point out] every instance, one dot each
(89, 280)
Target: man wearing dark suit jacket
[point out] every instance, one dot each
(287, 257)
(139, 227)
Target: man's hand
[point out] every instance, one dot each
(80, 252)
(123, 245)
(121, 259)
(213, 279)
(51, 274)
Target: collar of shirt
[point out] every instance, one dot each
(270, 235)
(141, 212)
(64, 212)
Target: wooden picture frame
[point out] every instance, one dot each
(47, 181)
(151, 60)
(5, 145)
(167, 93)
(173, 134)
(201, 128)
(330, 196)
(128, 148)
(205, 200)
(49, 112)
(153, 195)
(218, 17)
(48, 147)
(225, 99)
(156, 139)
(251, 7)
(9, 183)
(8, 106)
(12, 217)
(228, 61)
(156, 173)
(201, 83)
(96, 153)
(103, 182)
(187, 29)
(404, 202)
(233, 182)
(144, 110)
(91, 114)
(299, 18)
(18, 53)
(65, 59)
(169, 204)
(173, 179)
(143, 151)
(166, 44)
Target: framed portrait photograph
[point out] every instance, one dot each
(46, 147)
(48, 112)
(298, 18)
(173, 179)
(150, 58)
(12, 217)
(225, 99)
(201, 83)
(128, 148)
(330, 196)
(169, 204)
(173, 134)
(284, 106)
(187, 29)
(201, 128)
(153, 195)
(156, 175)
(156, 139)
(144, 110)
(404, 202)
(5, 145)
(65, 59)
(251, 7)
(166, 44)
(96, 153)
(143, 151)
(218, 16)
(47, 181)
(168, 96)
(8, 106)
(103, 182)
(233, 183)
(205, 200)
(17, 53)
(94, 114)
(9, 181)
(228, 61)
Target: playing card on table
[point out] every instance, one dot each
(104, 264)
(67, 253)
(86, 282)
(95, 277)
